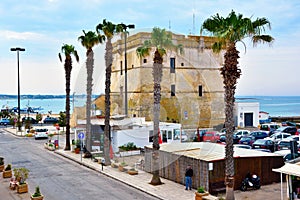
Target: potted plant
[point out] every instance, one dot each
(78, 147)
(1, 164)
(122, 166)
(51, 146)
(200, 193)
(132, 171)
(115, 163)
(37, 194)
(7, 172)
(21, 175)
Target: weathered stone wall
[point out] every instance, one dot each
(197, 66)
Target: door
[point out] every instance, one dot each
(248, 119)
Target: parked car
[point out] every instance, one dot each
(259, 134)
(222, 139)
(294, 137)
(276, 137)
(284, 144)
(264, 144)
(4, 121)
(41, 133)
(297, 132)
(29, 119)
(241, 133)
(211, 136)
(247, 140)
(242, 146)
(50, 120)
(287, 129)
(269, 127)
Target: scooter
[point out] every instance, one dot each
(250, 182)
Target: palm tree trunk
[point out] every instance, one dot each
(108, 63)
(157, 75)
(89, 88)
(68, 69)
(230, 73)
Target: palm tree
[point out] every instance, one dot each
(161, 40)
(89, 40)
(108, 29)
(228, 32)
(68, 50)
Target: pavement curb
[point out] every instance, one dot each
(108, 175)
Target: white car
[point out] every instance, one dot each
(241, 133)
(41, 133)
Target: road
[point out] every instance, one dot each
(60, 178)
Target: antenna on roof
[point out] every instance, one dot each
(193, 23)
(169, 25)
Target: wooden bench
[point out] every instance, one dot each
(217, 187)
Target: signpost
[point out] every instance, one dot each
(57, 128)
(81, 137)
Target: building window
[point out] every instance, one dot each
(145, 60)
(182, 64)
(172, 90)
(132, 66)
(121, 67)
(172, 65)
(200, 90)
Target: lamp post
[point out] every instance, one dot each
(130, 26)
(17, 49)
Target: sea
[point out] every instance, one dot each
(274, 105)
(43, 105)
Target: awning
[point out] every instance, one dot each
(288, 168)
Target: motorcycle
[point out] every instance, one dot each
(250, 182)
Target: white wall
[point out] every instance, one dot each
(241, 108)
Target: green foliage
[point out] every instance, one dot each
(62, 119)
(21, 174)
(128, 147)
(38, 117)
(1, 161)
(201, 190)
(37, 192)
(8, 167)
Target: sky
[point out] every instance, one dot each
(43, 26)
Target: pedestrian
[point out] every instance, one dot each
(188, 177)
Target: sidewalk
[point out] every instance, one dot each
(168, 190)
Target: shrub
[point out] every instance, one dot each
(128, 147)
(201, 190)
(21, 174)
(1, 161)
(8, 167)
(37, 192)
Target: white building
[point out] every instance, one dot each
(246, 114)
(136, 130)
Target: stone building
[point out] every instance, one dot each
(191, 89)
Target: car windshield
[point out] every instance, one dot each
(260, 142)
(245, 138)
(41, 130)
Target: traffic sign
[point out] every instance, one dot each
(81, 135)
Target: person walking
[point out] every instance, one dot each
(188, 177)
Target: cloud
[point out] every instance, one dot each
(13, 35)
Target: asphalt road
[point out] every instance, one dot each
(60, 178)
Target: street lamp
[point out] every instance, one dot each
(130, 26)
(17, 49)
